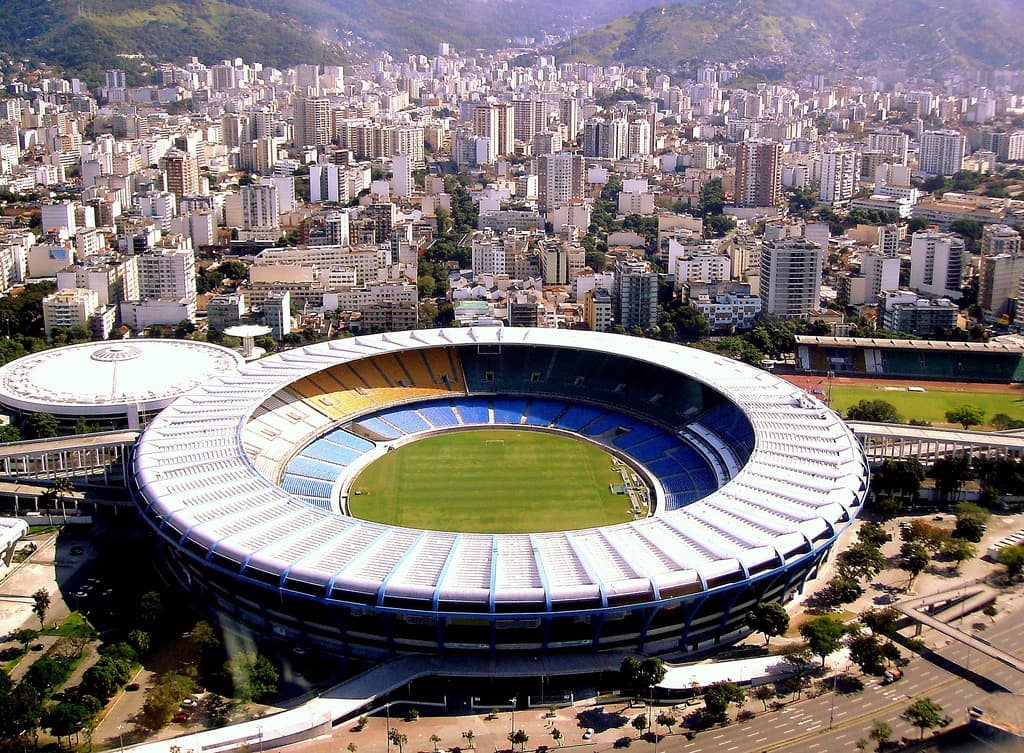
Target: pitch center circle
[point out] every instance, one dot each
(496, 480)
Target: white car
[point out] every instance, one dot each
(588, 733)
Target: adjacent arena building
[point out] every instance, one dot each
(119, 384)
(245, 480)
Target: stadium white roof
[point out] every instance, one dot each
(802, 484)
(105, 378)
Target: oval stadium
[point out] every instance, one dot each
(496, 490)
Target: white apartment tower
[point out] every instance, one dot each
(569, 115)
(259, 206)
(937, 263)
(840, 169)
(892, 142)
(942, 152)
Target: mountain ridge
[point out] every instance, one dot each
(787, 34)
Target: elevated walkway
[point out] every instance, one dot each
(977, 596)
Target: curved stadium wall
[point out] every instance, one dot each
(243, 482)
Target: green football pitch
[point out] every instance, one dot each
(491, 481)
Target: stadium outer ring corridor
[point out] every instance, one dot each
(680, 580)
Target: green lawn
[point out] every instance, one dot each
(491, 481)
(932, 404)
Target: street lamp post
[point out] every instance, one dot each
(512, 700)
(260, 730)
(387, 724)
(120, 736)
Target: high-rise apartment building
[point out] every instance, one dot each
(182, 172)
(531, 118)
(260, 207)
(758, 173)
(606, 139)
(560, 178)
(937, 263)
(635, 294)
(1000, 239)
(1009, 147)
(569, 115)
(496, 123)
(892, 143)
(790, 285)
(840, 170)
(314, 121)
(942, 152)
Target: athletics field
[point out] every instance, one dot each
(923, 401)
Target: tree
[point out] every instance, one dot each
(640, 676)
(351, 748)
(872, 534)
(958, 550)
(163, 699)
(866, 652)
(9, 433)
(712, 197)
(639, 723)
(668, 721)
(718, 696)
(842, 589)
(768, 618)
(824, 635)
(764, 693)
(914, 558)
(861, 561)
(880, 733)
(965, 415)
(435, 739)
(971, 521)
(1012, 558)
(66, 719)
(878, 411)
(949, 475)
(40, 426)
(151, 609)
(556, 735)
(40, 605)
(139, 640)
(252, 675)
(397, 738)
(924, 713)
(519, 737)
(881, 621)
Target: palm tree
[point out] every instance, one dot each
(58, 491)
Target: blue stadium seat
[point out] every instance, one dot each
(578, 416)
(474, 410)
(508, 410)
(440, 414)
(347, 439)
(306, 486)
(606, 423)
(405, 418)
(377, 426)
(305, 466)
(543, 412)
(332, 453)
